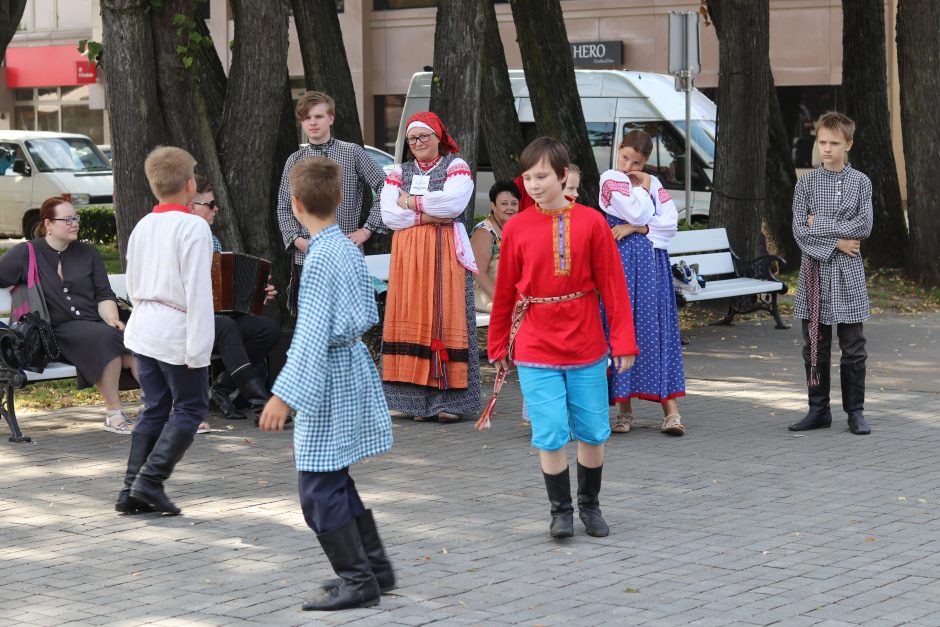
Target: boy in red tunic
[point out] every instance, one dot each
(546, 320)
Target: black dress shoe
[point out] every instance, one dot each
(220, 401)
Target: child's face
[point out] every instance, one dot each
(833, 147)
(317, 123)
(571, 185)
(542, 184)
(629, 160)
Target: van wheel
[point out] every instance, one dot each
(30, 220)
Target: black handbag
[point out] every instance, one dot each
(33, 345)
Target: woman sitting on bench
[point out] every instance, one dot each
(82, 306)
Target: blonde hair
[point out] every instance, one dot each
(835, 121)
(316, 182)
(311, 99)
(168, 169)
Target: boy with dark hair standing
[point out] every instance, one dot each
(331, 382)
(832, 214)
(169, 255)
(316, 111)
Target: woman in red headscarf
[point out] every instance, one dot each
(430, 359)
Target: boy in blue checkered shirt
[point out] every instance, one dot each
(832, 214)
(332, 384)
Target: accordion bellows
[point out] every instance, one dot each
(238, 282)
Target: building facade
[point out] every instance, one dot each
(46, 87)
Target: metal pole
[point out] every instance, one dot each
(688, 149)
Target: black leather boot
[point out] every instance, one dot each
(220, 398)
(375, 552)
(141, 445)
(819, 415)
(589, 506)
(853, 397)
(250, 389)
(357, 585)
(148, 486)
(559, 495)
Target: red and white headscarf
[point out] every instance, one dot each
(431, 122)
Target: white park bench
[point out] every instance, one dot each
(10, 381)
(748, 285)
(378, 267)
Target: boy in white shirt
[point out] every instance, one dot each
(171, 330)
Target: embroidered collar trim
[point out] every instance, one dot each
(427, 166)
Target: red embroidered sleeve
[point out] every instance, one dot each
(664, 195)
(394, 178)
(458, 169)
(611, 186)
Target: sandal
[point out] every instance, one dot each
(203, 427)
(623, 423)
(445, 417)
(672, 425)
(118, 422)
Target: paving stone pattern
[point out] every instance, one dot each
(738, 522)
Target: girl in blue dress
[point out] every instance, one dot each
(643, 219)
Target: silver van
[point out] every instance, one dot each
(36, 165)
(614, 102)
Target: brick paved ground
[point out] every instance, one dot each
(738, 522)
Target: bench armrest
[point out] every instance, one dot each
(760, 268)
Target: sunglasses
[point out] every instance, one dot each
(211, 204)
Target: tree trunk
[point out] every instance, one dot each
(326, 67)
(499, 119)
(865, 89)
(11, 13)
(553, 89)
(455, 88)
(134, 112)
(190, 122)
(249, 129)
(739, 188)
(781, 179)
(918, 49)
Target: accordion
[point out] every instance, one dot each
(238, 282)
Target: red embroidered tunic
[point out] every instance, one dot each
(556, 253)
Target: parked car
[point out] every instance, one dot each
(37, 165)
(614, 103)
(385, 160)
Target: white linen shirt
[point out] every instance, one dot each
(169, 259)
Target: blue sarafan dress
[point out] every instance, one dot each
(658, 373)
(329, 378)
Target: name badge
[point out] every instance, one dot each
(419, 184)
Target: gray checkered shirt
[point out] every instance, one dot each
(840, 203)
(358, 167)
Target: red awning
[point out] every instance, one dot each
(46, 66)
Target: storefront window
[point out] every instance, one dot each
(24, 118)
(63, 110)
(82, 120)
(47, 118)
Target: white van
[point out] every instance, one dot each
(36, 165)
(614, 102)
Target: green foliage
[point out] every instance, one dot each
(93, 48)
(98, 225)
(191, 40)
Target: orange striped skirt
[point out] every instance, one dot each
(424, 339)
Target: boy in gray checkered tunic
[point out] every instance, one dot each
(832, 214)
(331, 382)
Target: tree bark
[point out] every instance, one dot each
(781, 179)
(135, 115)
(739, 189)
(191, 122)
(553, 89)
(918, 49)
(865, 89)
(249, 129)
(11, 13)
(455, 88)
(326, 67)
(499, 119)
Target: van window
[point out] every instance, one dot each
(668, 157)
(8, 154)
(600, 136)
(67, 154)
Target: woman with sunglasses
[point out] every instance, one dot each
(82, 306)
(430, 359)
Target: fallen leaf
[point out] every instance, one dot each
(263, 483)
(870, 539)
(444, 551)
(631, 590)
(248, 441)
(902, 498)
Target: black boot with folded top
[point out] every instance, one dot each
(357, 585)
(147, 488)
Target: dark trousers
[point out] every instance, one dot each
(175, 394)
(295, 271)
(851, 342)
(245, 339)
(329, 500)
